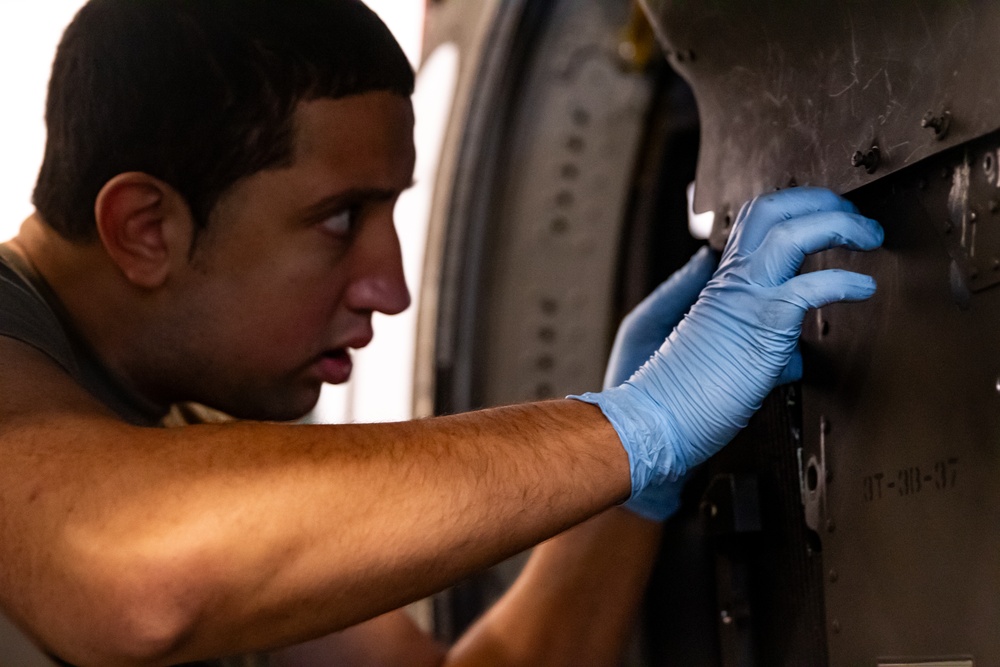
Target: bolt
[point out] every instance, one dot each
(940, 124)
(869, 159)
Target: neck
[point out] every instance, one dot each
(112, 323)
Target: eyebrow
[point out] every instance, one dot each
(354, 196)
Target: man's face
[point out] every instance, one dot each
(295, 261)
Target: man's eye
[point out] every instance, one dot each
(340, 223)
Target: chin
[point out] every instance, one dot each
(284, 406)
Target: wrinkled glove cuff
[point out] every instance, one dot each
(645, 432)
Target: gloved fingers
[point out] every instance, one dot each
(675, 296)
(757, 218)
(793, 371)
(786, 245)
(820, 288)
(648, 325)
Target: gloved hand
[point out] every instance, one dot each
(726, 355)
(641, 333)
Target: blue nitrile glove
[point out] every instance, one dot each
(641, 333)
(718, 365)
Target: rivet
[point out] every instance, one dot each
(940, 124)
(868, 159)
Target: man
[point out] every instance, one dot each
(214, 226)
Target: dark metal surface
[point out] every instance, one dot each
(908, 387)
(801, 92)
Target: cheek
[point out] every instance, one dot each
(290, 322)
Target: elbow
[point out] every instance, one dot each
(123, 612)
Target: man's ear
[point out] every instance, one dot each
(145, 226)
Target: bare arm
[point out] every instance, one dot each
(574, 604)
(124, 545)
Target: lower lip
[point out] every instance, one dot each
(335, 368)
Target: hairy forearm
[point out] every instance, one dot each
(252, 535)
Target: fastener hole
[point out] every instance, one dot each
(812, 477)
(559, 226)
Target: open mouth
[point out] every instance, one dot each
(335, 366)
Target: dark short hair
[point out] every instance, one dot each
(198, 93)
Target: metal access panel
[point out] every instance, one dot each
(897, 104)
(790, 91)
(901, 456)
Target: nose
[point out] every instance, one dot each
(379, 283)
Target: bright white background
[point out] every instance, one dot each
(382, 388)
